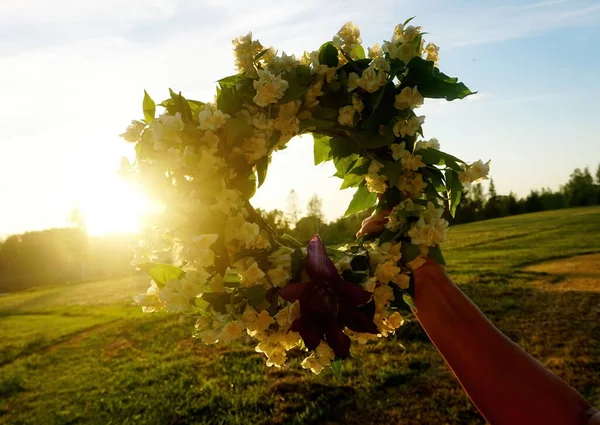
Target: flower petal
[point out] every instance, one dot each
(355, 294)
(310, 330)
(292, 291)
(358, 322)
(337, 340)
(319, 266)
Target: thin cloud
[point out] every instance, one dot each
(501, 22)
(542, 4)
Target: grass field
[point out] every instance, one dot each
(82, 354)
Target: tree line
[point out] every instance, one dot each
(582, 189)
(62, 255)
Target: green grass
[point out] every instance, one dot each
(83, 354)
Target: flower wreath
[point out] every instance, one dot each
(210, 254)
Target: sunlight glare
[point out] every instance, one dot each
(114, 206)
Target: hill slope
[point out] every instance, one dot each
(83, 354)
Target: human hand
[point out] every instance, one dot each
(374, 224)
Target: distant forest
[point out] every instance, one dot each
(56, 256)
(582, 189)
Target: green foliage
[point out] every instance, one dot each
(352, 180)
(435, 253)
(161, 273)
(236, 131)
(149, 107)
(328, 55)
(433, 83)
(409, 251)
(336, 368)
(261, 169)
(228, 99)
(409, 301)
(256, 295)
(322, 150)
(455, 189)
(295, 88)
(362, 200)
(343, 164)
(434, 157)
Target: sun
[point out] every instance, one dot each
(114, 206)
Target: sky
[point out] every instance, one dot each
(72, 76)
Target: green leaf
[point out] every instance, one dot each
(304, 75)
(218, 300)
(387, 236)
(408, 20)
(352, 180)
(261, 54)
(322, 150)
(344, 164)
(149, 107)
(433, 177)
(336, 368)
(297, 262)
(236, 130)
(343, 146)
(433, 83)
(409, 301)
(245, 184)
(231, 80)
(314, 125)
(358, 52)
(409, 251)
(435, 253)
(362, 200)
(455, 189)
(261, 169)
(361, 167)
(228, 100)
(328, 55)
(195, 105)
(290, 239)
(392, 170)
(256, 295)
(161, 273)
(231, 279)
(434, 157)
(201, 306)
(294, 91)
(322, 113)
(360, 263)
(181, 105)
(368, 139)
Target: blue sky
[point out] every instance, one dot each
(73, 74)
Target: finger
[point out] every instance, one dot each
(372, 227)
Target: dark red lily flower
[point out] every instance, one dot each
(328, 304)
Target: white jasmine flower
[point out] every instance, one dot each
(346, 116)
(269, 88)
(408, 98)
(133, 132)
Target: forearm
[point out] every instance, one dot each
(506, 384)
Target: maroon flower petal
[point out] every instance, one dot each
(310, 330)
(354, 293)
(292, 291)
(337, 340)
(319, 266)
(358, 322)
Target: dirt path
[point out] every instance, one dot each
(76, 337)
(580, 273)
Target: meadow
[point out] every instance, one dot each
(84, 354)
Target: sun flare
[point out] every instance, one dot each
(114, 206)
